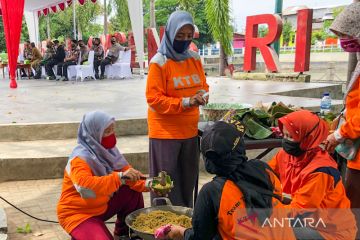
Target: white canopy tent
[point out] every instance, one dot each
(33, 7)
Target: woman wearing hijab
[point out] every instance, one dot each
(243, 194)
(310, 175)
(94, 189)
(175, 85)
(347, 27)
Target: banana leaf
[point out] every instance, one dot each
(277, 111)
(260, 114)
(254, 129)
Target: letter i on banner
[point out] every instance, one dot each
(303, 40)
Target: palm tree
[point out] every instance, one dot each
(218, 18)
(152, 14)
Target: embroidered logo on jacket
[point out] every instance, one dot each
(186, 82)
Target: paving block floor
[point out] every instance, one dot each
(39, 198)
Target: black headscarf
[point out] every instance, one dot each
(223, 149)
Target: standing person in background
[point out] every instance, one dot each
(112, 56)
(347, 27)
(58, 58)
(175, 85)
(72, 59)
(36, 59)
(99, 55)
(84, 50)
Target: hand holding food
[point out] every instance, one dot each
(132, 174)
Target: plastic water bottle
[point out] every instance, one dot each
(325, 104)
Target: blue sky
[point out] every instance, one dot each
(243, 8)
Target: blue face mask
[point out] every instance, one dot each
(181, 46)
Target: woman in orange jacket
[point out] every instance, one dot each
(175, 87)
(94, 187)
(310, 175)
(347, 27)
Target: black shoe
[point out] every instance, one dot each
(52, 78)
(65, 79)
(102, 77)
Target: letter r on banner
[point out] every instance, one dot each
(252, 42)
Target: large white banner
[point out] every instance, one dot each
(137, 24)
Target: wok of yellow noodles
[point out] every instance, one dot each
(149, 222)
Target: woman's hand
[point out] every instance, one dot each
(197, 100)
(331, 143)
(176, 233)
(132, 174)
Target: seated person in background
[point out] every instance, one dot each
(99, 55)
(27, 56)
(94, 187)
(71, 59)
(310, 175)
(242, 194)
(36, 59)
(49, 54)
(112, 56)
(27, 51)
(55, 59)
(84, 50)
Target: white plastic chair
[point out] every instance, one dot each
(72, 69)
(83, 71)
(121, 68)
(125, 62)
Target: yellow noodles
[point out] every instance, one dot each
(151, 221)
(161, 187)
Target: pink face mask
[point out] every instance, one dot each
(350, 45)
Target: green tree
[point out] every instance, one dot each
(287, 33)
(165, 7)
(2, 36)
(218, 18)
(61, 23)
(86, 16)
(121, 21)
(189, 5)
(263, 30)
(24, 34)
(319, 35)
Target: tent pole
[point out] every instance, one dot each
(105, 19)
(74, 18)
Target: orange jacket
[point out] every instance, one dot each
(72, 209)
(169, 83)
(351, 128)
(240, 225)
(325, 193)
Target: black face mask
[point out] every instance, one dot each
(292, 148)
(181, 46)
